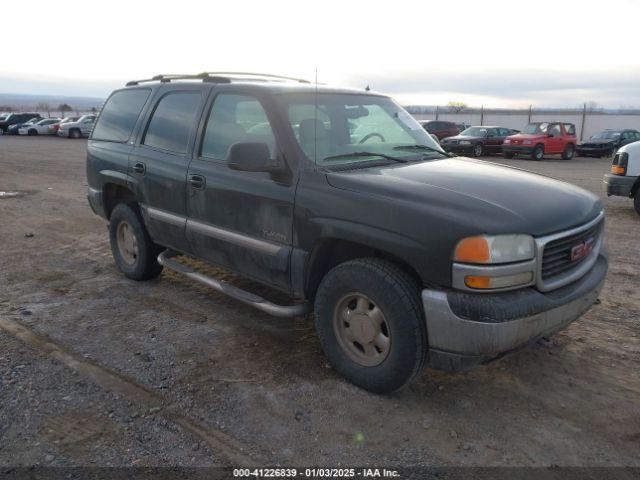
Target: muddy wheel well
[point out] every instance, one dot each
(112, 194)
(332, 252)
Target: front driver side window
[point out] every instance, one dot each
(234, 119)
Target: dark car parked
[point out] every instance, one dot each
(606, 143)
(17, 118)
(477, 141)
(407, 256)
(440, 128)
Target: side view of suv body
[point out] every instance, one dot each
(406, 255)
(542, 138)
(17, 119)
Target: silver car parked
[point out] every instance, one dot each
(79, 129)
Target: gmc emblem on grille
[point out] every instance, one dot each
(582, 249)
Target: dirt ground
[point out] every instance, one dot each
(98, 370)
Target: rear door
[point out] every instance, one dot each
(160, 159)
(240, 220)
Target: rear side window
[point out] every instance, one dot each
(172, 121)
(120, 114)
(570, 128)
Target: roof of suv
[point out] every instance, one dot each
(273, 83)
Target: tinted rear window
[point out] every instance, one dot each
(120, 114)
(172, 121)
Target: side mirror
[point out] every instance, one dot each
(252, 157)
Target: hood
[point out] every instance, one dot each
(598, 141)
(480, 196)
(463, 137)
(527, 136)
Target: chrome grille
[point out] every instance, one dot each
(556, 266)
(556, 257)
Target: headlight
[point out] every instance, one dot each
(526, 142)
(494, 262)
(494, 249)
(465, 142)
(506, 140)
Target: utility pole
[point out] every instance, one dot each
(529, 119)
(481, 115)
(584, 114)
(437, 108)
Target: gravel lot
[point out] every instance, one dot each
(98, 370)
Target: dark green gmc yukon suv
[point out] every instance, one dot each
(408, 256)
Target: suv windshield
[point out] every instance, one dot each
(475, 132)
(338, 129)
(536, 128)
(606, 135)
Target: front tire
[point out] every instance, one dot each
(508, 154)
(370, 324)
(133, 250)
(636, 202)
(537, 153)
(32, 132)
(478, 150)
(75, 133)
(569, 152)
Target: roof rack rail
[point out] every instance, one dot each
(168, 78)
(263, 75)
(213, 77)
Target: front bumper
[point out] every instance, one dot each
(517, 149)
(467, 329)
(618, 185)
(464, 149)
(595, 151)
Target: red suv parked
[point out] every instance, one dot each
(440, 128)
(542, 138)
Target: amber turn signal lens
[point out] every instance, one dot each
(474, 281)
(616, 170)
(473, 250)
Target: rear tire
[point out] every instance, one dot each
(569, 152)
(133, 250)
(370, 323)
(75, 133)
(537, 153)
(508, 154)
(636, 202)
(32, 132)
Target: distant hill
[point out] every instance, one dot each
(19, 101)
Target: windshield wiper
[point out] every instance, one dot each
(366, 154)
(422, 147)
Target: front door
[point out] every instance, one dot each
(240, 220)
(159, 164)
(555, 142)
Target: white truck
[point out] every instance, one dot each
(624, 179)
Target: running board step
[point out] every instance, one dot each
(249, 298)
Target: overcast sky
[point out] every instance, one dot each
(492, 52)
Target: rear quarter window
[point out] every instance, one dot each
(120, 114)
(172, 121)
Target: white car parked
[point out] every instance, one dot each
(40, 127)
(624, 179)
